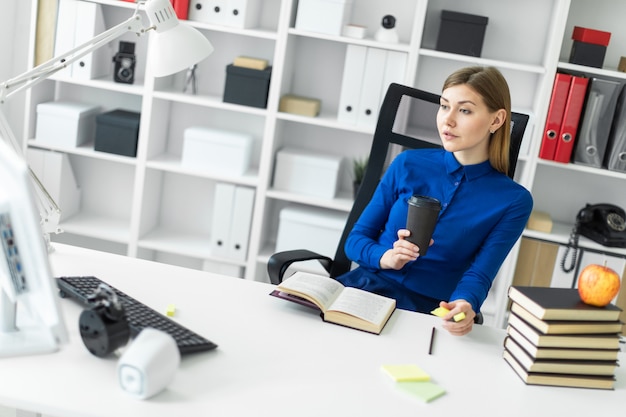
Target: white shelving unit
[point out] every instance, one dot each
(153, 207)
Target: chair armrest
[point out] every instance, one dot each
(279, 262)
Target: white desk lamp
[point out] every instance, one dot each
(174, 47)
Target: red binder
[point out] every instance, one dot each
(181, 8)
(560, 90)
(571, 118)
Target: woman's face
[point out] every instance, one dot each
(465, 124)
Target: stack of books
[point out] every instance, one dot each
(553, 338)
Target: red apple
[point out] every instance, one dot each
(598, 285)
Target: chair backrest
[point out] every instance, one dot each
(401, 107)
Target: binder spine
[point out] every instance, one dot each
(556, 110)
(571, 117)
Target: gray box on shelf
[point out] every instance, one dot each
(461, 33)
(215, 150)
(117, 131)
(247, 86)
(305, 172)
(66, 124)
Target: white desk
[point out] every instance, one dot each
(279, 359)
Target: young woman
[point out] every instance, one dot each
(483, 211)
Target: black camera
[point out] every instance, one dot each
(125, 63)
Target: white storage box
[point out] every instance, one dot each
(323, 16)
(216, 151)
(310, 228)
(306, 172)
(243, 14)
(65, 123)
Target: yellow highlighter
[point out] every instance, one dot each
(440, 312)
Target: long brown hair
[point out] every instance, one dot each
(491, 85)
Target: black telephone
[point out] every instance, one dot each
(602, 223)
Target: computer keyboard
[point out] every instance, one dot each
(139, 315)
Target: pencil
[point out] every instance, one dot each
(432, 339)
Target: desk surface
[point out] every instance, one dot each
(278, 359)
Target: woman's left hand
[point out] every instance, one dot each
(458, 328)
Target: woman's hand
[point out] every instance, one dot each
(402, 252)
(461, 327)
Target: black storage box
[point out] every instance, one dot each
(589, 54)
(461, 33)
(247, 86)
(117, 132)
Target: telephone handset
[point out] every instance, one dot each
(602, 223)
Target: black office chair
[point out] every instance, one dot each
(400, 105)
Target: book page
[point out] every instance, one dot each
(364, 305)
(320, 289)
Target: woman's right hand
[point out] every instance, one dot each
(402, 252)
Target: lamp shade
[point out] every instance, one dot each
(174, 45)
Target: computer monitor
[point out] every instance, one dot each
(30, 318)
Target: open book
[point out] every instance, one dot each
(346, 306)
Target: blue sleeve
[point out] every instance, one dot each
(476, 281)
(363, 244)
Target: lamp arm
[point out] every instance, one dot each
(48, 208)
(48, 68)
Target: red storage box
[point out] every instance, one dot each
(596, 37)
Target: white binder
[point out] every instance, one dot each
(395, 70)
(90, 24)
(77, 23)
(206, 11)
(243, 14)
(64, 39)
(241, 222)
(351, 84)
(223, 201)
(371, 87)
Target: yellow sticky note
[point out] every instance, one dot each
(440, 312)
(171, 310)
(406, 372)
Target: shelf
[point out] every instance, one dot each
(253, 33)
(401, 47)
(207, 101)
(181, 243)
(601, 72)
(172, 163)
(137, 88)
(536, 69)
(582, 169)
(98, 226)
(343, 202)
(560, 235)
(325, 119)
(86, 150)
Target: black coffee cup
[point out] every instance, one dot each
(421, 220)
